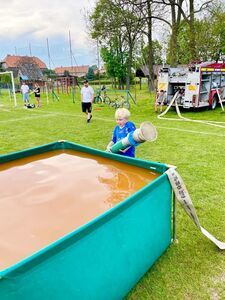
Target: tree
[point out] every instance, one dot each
(146, 12)
(49, 73)
(148, 33)
(115, 62)
(206, 49)
(94, 67)
(117, 27)
(217, 14)
(177, 13)
(90, 74)
(5, 78)
(1, 67)
(157, 53)
(66, 73)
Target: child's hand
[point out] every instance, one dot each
(109, 146)
(108, 149)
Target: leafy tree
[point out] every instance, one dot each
(49, 73)
(1, 67)
(94, 67)
(181, 10)
(5, 78)
(218, 32)
(66, 73)
(115, 24)
(90, 74)
(115, 62)
(208, 48)
(157, 53)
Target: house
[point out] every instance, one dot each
(100, 71)
(77, 71)
(26, 67)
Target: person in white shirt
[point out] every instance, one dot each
(25, 92)
(87, 97)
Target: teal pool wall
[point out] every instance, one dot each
(107, 256)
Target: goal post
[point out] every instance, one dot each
(13, 85)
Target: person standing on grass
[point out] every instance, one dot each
(87, 97)
(37, 94)
(159, 101)
(25, 92)
(124, 126)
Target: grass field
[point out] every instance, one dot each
(193, 268)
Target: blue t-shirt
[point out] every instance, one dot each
(120, 133)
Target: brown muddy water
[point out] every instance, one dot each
(43, 197)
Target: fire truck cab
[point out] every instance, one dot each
(199, 85)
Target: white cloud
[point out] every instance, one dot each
(26, 20)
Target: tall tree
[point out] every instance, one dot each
(188, 15)
(150, 45)
(112, 18)
(146, 12)
(90, 74)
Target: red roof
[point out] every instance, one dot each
(12, 61)
(78, 69)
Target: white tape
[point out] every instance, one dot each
(184, 198)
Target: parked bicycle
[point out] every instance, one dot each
(121, 102)
(102, 97)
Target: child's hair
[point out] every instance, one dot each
(122, 113)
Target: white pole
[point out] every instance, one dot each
(13, 86)
(46, 90)
(10, 96)
(13, 89)
(220, 100)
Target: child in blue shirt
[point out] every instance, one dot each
(121, 131)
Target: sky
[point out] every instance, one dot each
(27, 24)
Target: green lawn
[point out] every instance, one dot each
(193, 268)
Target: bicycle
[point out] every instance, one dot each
(102, 99)
(120, 103)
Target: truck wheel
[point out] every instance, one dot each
(214, 102)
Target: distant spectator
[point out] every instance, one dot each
(37, 94)
(159, 101)
(25, 92)
(87, 97)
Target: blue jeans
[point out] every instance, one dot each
(26, 97)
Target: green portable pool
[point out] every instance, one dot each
(96, 250)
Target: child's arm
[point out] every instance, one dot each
(31, 92)
(109, 146)
(113, 140)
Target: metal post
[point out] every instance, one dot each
(46, 89)
(98, 62)
(13, 88)
(49, 57)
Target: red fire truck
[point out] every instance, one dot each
(199, 85)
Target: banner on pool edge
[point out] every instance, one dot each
(184, 198)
